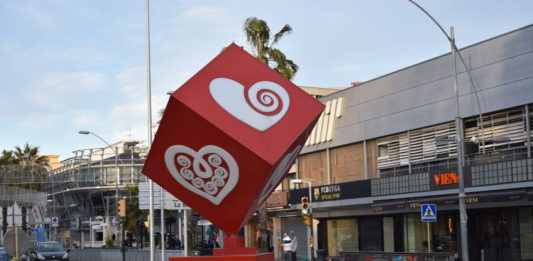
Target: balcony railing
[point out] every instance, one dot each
(481, 170)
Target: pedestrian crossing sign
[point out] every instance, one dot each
(428, 212)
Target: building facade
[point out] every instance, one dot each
(384, 147)
(82, 193)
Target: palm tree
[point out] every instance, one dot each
(6, 159)
(29, 156)
(258, 36)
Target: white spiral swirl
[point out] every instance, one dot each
(210, 188)
(221, 172)
(198, 182)
(184, 161)
(214, 160)
(267, 97)
(187, 174)
(218, 181)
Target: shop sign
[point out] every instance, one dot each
(496, 198)
(277, 199)
(388, 208)
(327, 192)
(447, 180)
(347, 190)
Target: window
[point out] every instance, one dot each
(526, 233)
(383, 150)
(343, 235)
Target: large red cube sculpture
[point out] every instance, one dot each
(228, 136)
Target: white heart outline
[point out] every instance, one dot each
(230, 95)
(233, 169)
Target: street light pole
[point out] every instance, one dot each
(309, 228)
(117, 174)
(463, 218)
(149, 112)
(470, 78)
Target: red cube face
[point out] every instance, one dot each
(228, 137)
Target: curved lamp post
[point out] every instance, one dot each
(459, 132)
(117, 176)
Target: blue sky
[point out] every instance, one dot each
(68, 65)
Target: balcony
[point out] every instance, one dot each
(480, 170)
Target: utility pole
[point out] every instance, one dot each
(463, 218)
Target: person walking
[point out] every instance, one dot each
(286, 243)
(294, 245)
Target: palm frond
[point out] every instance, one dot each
(258, 37)
(285, 30)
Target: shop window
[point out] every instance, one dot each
(526, 233)
(343, 235)
(383, 150)
(99, 236)
(443, 234)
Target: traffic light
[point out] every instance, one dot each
(122, 207)
(305, 206)
(306, 211)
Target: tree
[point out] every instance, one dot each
(34, 167)
(6, 160)
(132, 208)
(258, 36)
(29, 155)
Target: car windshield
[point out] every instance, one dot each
(50, 247)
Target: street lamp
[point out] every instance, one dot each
(83, 132)
(309, 228)
(459, 131)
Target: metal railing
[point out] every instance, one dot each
(385, 256)
(497, 168)
(116, 255)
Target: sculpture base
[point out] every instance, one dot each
(234, 251)
(252, 257)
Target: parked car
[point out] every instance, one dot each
(4, 256)
(49, 250)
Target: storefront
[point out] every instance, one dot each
(350, 222)
(337, 233)
(501, 234)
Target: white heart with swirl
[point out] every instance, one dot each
(262, 106)
(210, 178)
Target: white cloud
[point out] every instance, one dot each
(85, 119)
(204, 14)
(33, 14)
(130, 119)
(40, 120)
(132, 82)
(58, 90)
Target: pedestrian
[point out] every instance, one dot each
(294, 245)
(215, 240)
(286, 242)
(178, 242)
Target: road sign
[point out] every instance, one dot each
(169, 201)
(428, 212)
(54, 221)
(22, 241)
